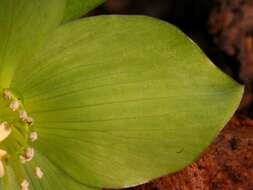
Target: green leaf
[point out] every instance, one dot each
(24, 25)
(77, 8)
(120, 100)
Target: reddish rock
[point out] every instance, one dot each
(231, 24)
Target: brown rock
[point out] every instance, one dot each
(231, 24)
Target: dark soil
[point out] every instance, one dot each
(226, 165)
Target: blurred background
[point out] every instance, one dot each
(222, 28)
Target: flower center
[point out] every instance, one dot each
(16, 132)
(15, 125)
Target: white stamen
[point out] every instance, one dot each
(24, 185)
(5, 131)
(2, 153)
(23, 115)
(27, 156)
(7, 95)
(14, 105)
(25, 118)
(2, 172)
(33, 136)
(38, 172)
(29, 120)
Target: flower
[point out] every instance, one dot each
(108, 101)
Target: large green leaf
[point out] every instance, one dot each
(120, 100)
(77, 8)
(23, 27)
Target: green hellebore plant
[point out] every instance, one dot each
(107, 101)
